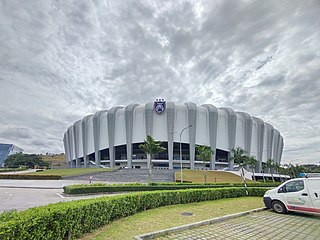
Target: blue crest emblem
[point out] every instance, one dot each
(159, 106)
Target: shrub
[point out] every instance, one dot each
(68, 220)
(30, 177)
(101, 188)
(12, 169)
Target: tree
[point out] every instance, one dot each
(204, 154)
(29, 160)
(295, 170)
(251, 162)
(238, 155)
(151, 147)
(290, 170)
(278, 169)
(270, 165)
(263, 168)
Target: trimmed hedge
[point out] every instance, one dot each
(69, 220)
(103, 188)
(12, 169)
(30, 177)
(252, 184)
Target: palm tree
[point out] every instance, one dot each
(239, 158)
(270, 165)
(278, 169)
(204, 154)
(151, 147)
(263, 168)
(251, 162)
(238, 155)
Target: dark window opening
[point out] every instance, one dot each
(137, 153)
(81, 161)
(184, 151)
(120, 152)
(91, 157)
(163, 165)
(221, 155)
(105, 154)
(163, 155)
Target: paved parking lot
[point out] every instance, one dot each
(261, 225)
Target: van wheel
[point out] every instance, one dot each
(278, 207)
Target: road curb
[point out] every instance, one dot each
(196, 224)
(31, 187)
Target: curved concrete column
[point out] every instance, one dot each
(232, 126)
(76, 136)
(129, 131)
(84, 127)
(269, 132)
(96, 137)
(280, 149)
(149, 118)
(248, 131)
(170, 110)
(277, 146)
(260, 138)
(66, 146)
(276, 139)
(192, 120)
(111, 116)
(213, 125)
(71, 142)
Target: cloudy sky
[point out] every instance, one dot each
(61, 60)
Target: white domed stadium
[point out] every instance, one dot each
(112, 137)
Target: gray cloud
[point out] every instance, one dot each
(62, 60)
(16, 132)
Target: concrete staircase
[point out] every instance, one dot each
(130, 175)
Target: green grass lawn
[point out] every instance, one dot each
(199, 176)
(171, 216)
(56, 160)
(64, 172)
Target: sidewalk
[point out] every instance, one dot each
(262, 225)
(40, 184)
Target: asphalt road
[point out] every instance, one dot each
(23, 194)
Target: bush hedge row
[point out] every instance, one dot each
(69, 220)
(252, 184)
(30, 177)
(12, 169)
(102, 188)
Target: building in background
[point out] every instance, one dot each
(112, 137)
(7, 150)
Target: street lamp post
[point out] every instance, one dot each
(181, 152)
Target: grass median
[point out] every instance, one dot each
(68, 172)
(208, 176)
(172, 216)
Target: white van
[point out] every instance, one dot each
(299, 194)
